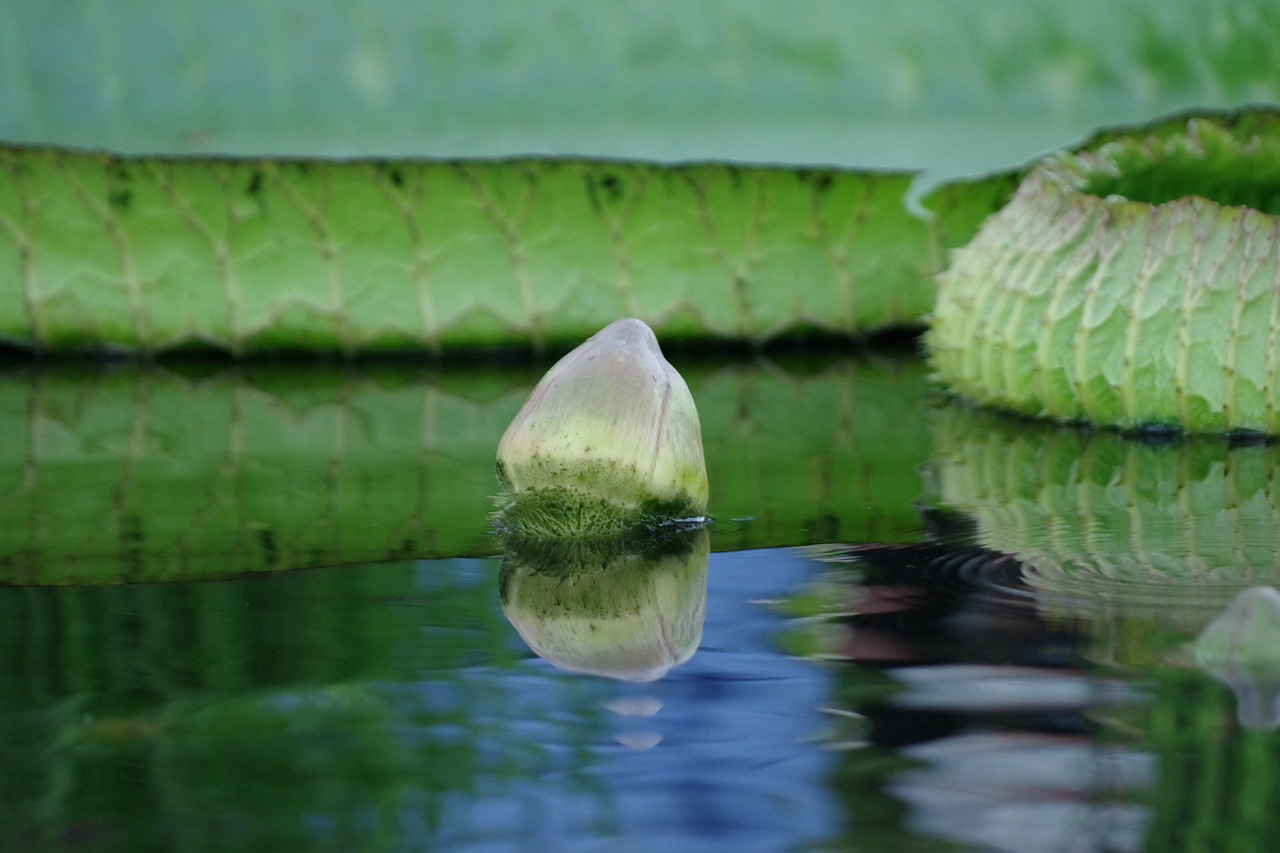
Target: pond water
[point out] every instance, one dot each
(917, 627)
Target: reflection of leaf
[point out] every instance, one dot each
(1099, 516)
(149, 474)
(144, 474)
(1215, 785)
(238, 711)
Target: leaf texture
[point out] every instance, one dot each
(356, 256)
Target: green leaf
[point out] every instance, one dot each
(1129, 285)
(357, 256)
(955, 87)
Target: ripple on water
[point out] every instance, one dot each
(1095, 519)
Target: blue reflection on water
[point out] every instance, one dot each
(392, 707)
(718, 755)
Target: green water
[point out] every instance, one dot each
(917, 628)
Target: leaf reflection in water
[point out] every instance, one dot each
(1101, 518)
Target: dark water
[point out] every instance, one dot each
(935, 631)
(393, 707)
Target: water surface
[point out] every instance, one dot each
(918, 628)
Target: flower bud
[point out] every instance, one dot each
(608, 443)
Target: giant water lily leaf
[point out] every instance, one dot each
(357, 256)
(1134, 284)
(956, 87)
(160, 254)
(156, 254)
(165, 693)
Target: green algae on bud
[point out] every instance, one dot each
(1137, 285)
(608, 607)
(607, 444)
(1241, 648)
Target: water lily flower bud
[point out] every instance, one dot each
(608, 442)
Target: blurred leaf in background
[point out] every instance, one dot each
(952, 86)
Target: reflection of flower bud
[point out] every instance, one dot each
(603, 609)
(608, 441)
(1241, 648)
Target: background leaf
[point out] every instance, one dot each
(953, 86)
